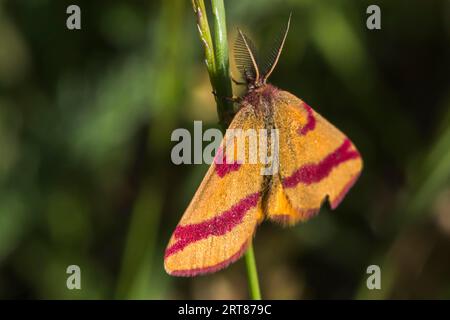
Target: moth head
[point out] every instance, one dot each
(253, 71)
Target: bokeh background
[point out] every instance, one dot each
(85, 170)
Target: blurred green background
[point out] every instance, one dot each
(85, 170)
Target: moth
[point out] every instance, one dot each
(317, 163)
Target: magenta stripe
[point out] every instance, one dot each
(344, 191)
(210, 269)
(313, 173)
(216, 226)
(222, 167)
(310, 123)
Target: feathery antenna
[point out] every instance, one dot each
(245, 57)
(274, 56)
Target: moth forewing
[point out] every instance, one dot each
(284, 176)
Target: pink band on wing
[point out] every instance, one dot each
(310, 121)
(343, 192)
(214, 268)
(313, 173)
(222, 167)
(215, 226)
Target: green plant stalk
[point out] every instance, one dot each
(216, 56)
(252, 273)
(217, 63)
(222, 74)
(205, 37)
